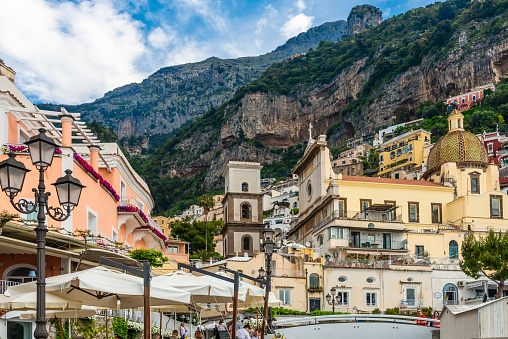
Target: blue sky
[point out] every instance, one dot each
(75, 51)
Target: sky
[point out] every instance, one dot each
(72, 52)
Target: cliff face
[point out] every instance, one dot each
(363, 17)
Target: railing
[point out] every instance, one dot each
(389, 216)
(400, 319)
(451, 302)
(282, 273)
(130, 201)
(397, 259)
(378, 244)
(4, 284)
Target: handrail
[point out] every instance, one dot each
(352, 317)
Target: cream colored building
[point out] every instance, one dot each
(382, 223)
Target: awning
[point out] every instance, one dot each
(93, 255)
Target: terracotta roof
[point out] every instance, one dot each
(391, 181)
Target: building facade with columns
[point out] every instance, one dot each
(113, 214)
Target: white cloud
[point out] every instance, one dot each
(295, 25)
(160, 38)
(268, 18)
(70, 52)
(300, 5)
(210, 11)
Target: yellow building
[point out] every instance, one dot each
(164, 224)
(393, 224)
(403, 152)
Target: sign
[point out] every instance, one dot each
(224, 334)
(437, 295)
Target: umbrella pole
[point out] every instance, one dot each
(146, 283)
(235, 305)
(257, 319)
(160, 325)
(106, 324)
(61, 329)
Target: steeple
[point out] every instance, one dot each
(455, 121)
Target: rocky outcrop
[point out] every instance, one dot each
(362, 17)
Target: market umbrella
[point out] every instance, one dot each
(202, 290)
(105, 288)
(28, 301)
(83, 312)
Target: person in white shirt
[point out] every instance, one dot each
(243, 333)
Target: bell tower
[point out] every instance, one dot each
(243, 209)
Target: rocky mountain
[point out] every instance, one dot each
(363, 17)
(174, 95)
(344, 89)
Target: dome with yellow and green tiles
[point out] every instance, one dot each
(457, 146)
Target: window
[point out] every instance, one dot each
(370, 280)
(338, 233)
(463, 100)
(22, 274)
(381, 158)
(365, 204)
(475, 185)
(320, 239)
(343, 279)
(163, 231)
(245, 211)
(490, 147)
(314, 280)
(410, 147)
(392, 155)
(245, 187)
(285, 296)
(399, 152)
(342, 208)
(436, 213)
(453, 250)
(371, 237)
(419, 250)
(474, 97)
(413, 212)
(371, 299)
(309, 189)
(295, 205)
(342, 298)
(405, 150)
(246, 242)
(397, 175)
(172, 249)
(496, 206)
(92, 222)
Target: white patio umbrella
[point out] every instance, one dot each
(28, 301)
(202, 290)
(105, 288)
(83, 312)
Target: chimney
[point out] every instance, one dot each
(94, 157)
(66, 130)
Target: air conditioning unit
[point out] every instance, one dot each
(461, 283)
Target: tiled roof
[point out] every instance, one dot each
(391, 181)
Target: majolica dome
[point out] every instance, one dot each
(457, 146)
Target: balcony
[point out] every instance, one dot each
(130, 201)
(378, 212)
(451, 302)
(378, 244)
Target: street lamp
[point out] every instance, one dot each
(12, 175)
(270, 247)
(331, 300)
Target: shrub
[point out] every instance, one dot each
(392, 311)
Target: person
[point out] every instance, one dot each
(198, 334)
(255, 335)
(222, 326)
(216, 332)
(435, 316)
(156, 336)
(243, 333)
(420, 315)
(174, 335)
(183, 331)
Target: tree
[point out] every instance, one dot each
(207, 203)
(488, 256)
(155, 258)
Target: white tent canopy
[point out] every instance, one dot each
(28, 301)
(105, 288)
(83, 312)
(202, 290)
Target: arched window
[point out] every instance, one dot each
(245, 187)
(246, 243)
(245, 211)
(314, 280)
(22, 274)
(453, 249)
(450, 294)
(320, 239)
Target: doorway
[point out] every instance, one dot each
(410, 295)
(19, 330)
(387, 241)
(314, 304)
(355, 239)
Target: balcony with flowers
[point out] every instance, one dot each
(21, 149)
(96, 176)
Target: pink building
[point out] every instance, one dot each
(465, 101)
(113, 214)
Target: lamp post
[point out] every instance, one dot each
(331, 300)
(12, 175)
(269, 247)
